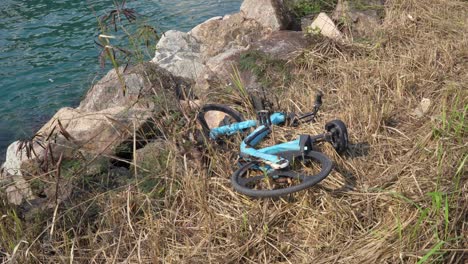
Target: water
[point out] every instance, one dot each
(48, 58)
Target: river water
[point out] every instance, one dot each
(48, 57)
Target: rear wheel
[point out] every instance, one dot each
(304, 171)
(215, 115)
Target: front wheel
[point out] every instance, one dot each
(304, 171)
(339, 135)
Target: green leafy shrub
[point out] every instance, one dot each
(303, 8)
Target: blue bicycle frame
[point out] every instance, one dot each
(247, 149)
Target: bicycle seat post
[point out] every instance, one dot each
(263, 117)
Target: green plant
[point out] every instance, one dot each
(303, 8)
(434, 250)
(71, 167)
(124, 38)
(11, 230)
(37, 186)
(240, 87)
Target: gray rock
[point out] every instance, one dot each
(18, 190)
(210, 45)
(106, 117)
(195, 30)
(179, 53)
(363, 17)
(13, 183)
(108, 92)
(13, 159)
(143, 82)
(153, 156)
(325, 26)
(269, 13)
(93, 132)
(227, 34)
(16, 157)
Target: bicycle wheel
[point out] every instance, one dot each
(304, 171)
(339, 135)
(215, 115)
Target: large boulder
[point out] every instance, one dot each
(179, 53)
(283, 45)
(232, 32)
(14, 158)
(153, 156)
(269, 13)
(206, 51)
(12, 182)
(189, 54)
(17, 189)
(99, 132)
(200, 27)
(143, 84)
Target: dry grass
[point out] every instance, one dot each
(398, 196)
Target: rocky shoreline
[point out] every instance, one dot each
(188, 69)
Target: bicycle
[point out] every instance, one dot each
(270, 171)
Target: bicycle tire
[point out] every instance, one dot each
(216, 107)
(339, 132)
(307, 182)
